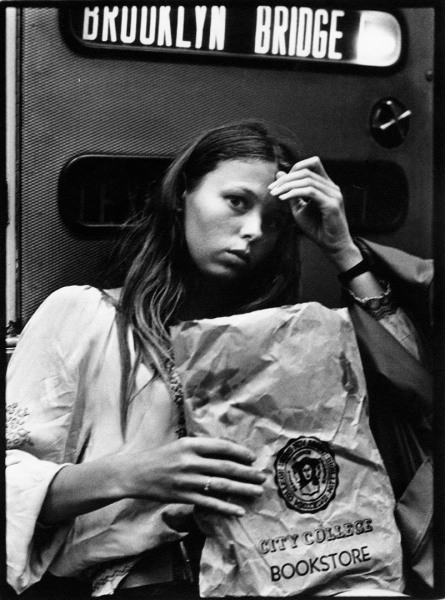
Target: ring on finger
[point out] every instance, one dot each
(207, 485)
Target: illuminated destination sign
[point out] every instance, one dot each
(293, 33)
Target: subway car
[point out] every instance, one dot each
(99, 97)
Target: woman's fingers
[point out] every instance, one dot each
(313, 163)
(220, 486)
(205, 471)
(317, 206)
(216, 493)
(219, 494)
(214, 504)
(220, 457)
(308, 187)
(306, 184)
(309, 192)
(220, 469)
(209, 447)
(228, 469)
(298, 171)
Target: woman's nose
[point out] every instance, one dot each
(252, 226)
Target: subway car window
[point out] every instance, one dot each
(98, 194)
(274, 305)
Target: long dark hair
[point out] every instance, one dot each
(159, 276)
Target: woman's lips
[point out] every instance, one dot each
(241, 256)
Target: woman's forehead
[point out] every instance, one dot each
(249, 177)
(250, 172)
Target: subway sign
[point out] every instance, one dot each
(287, 33)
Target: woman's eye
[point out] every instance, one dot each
(237, 202)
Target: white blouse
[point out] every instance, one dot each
(63, 406)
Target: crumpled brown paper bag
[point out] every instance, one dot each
(288, 383)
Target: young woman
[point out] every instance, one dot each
(102, 477)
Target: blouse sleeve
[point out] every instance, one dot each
(393, 318)
(42, 410)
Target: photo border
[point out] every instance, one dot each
(438, 239)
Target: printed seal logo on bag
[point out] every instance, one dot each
(306, 474)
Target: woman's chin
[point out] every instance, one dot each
(224, 274)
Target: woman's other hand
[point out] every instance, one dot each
(209, 473)
(317, 206)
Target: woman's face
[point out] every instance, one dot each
(231, 222)
(307, 472)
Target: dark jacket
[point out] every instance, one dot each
(400, 399)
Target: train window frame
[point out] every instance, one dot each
(115, 174)
(438, 247)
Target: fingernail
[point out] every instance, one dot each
(273, 192)
(240, 512)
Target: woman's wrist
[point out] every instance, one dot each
(354, 273)
(346, 258)
(82, 488)
(122, 469)
(347, 277)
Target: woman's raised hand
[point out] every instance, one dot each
(210, 473)
(317, 206)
